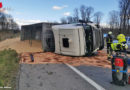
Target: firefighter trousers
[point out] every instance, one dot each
(109, 50)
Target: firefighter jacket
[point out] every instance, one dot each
(119, 46)
(109, 39)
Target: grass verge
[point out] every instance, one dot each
(9, 65)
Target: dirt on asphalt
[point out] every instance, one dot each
(41, 58)
(99, 60)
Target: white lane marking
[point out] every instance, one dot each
(86, 78)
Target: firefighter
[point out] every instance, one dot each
(109, 40)
(119, 62)
(122, 40)
(121, 46)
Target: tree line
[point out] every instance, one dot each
(85, 13)
(7, 22)
(118, 21)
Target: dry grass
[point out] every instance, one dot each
(21, 46)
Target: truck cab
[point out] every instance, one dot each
(77, 39)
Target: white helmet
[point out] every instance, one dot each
(110, 32)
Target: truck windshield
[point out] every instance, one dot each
(89, 39)
(87, 27)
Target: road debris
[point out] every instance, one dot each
(99, 59)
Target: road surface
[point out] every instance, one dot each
(102, 76)
(51, 77)
(62, 77)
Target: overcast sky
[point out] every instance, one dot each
(33, 11)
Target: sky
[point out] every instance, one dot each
(34, 11)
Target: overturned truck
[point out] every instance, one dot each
(77, 39)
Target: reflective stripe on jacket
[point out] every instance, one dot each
(118, 46)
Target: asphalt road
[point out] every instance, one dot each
(61, 77)
(102, 76)
(51, 77)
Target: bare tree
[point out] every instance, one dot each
(70, 19)
(86, 12)
(15, 26)
(98, 17)
(7, 22)
(63, 20)
(124, 14)
(76, 15)
(114, 19)
(3, 21)
(83, 12)
(89, 10)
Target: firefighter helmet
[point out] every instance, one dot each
(110, 33)
(121, 38)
